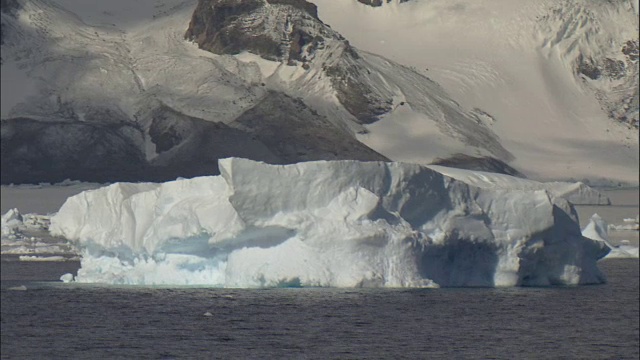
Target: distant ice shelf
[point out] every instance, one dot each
(327, 224)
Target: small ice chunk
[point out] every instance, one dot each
(41, 258)
(13, 215)
(597, 230)
(66, 278)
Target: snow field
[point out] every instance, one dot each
(515, 60)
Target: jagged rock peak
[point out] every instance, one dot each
(274, 29)
(289, 31)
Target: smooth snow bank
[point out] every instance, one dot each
(337, 223)
(575, 192)
(597, 230)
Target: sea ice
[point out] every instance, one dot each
(326, 223)
(43, 258)
(18, 288)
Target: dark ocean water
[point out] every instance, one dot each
(54, 320)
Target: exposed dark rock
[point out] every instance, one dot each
(300, 38)
(631, 50)
(377, 3)
(488, 164)
(614, 69)
(233, 26)
(608, 68)
(588, 68)
(189, 146)
(279, 129)
(356, 96)
(35, 151)
(303, 5)
(214, 28)
(374, 3)
(296, 133)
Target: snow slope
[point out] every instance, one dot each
(518, 61)
(340, 223)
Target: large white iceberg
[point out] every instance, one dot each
(337, 223)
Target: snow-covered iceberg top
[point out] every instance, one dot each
(575, 192)
(326, 223)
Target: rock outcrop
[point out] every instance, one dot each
(291, 32)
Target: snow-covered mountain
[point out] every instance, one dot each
(134, 100)
(155, 89)
(557, 81)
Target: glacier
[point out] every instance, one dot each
(326, 224)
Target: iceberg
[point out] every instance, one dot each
(11, 221)
(596, 230)
(326, 224)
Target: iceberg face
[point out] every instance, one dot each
(326, 223)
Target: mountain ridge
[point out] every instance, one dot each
(143, 75)
(67, 62)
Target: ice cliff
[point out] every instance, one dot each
(326, 223)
